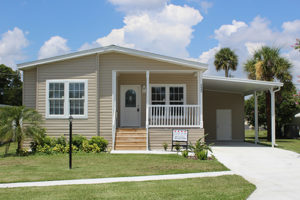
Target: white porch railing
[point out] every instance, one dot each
(174, 116)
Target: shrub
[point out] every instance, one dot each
(202, 155)
(185, 153)
(78, 140)
(44, 149)
(50, 141)
(59, 148)
(74, 149)
(165, 145)
(200, 149)
(100, 141)
(177, 147)
(62, 140)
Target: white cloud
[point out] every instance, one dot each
(55, 46)
(253, 46)
(167, 31)
(205, 5)
(138, 5)
(245, 38)
(292, 26)
(226, 30)
(12, 43)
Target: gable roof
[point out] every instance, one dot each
(116, 49)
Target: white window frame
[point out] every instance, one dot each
(167, 86)
(67, 100)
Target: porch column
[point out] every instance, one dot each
(273, 116)
(256, 117)
(147, 109)
(114, 89)
(200, 98)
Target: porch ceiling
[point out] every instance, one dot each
(236, 85)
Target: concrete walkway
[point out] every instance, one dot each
(116, 179)
(275, 172)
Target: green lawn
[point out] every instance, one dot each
(288, 144)
(222, 187)
(91, 165)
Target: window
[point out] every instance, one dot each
(130, 98)
(56, 98)
(168, 94)
(65, 98)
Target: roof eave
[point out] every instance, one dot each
(117, 49)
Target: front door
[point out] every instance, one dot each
(130, 105)
(224, 124)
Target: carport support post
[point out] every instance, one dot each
(256, 117)
(200, 97)
(273, 116)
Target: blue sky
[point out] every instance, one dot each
(192, 29)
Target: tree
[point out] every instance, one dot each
(16, 122)
(10, 86)
(267, 64)
(226, 59)
(297, 44)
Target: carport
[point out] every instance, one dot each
(224, 99)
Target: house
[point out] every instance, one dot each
(134, 99)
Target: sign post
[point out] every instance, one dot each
(180, 135)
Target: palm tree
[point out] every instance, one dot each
(267, 64)
(16, 122)
(226, 60)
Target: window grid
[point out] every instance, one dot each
(56, 98)
(76, 98)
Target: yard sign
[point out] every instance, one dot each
(180, 135)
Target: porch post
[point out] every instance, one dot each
(200, 98)
(256, 117)
(114, 89)
(273, 116)
(147, 109)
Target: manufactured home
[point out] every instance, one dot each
(136, 99)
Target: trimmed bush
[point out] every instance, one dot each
(78, 140)
(62, 140)
(99, 141)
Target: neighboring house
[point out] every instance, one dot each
(134, 98)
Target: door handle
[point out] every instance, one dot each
(138, 109)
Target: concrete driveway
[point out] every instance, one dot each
(275, 172)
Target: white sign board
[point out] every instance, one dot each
(180, 135)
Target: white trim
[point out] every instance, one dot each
(114, 103)
(167, 91)
(200, 97)
(256, 117)
(66, 99)
(147, 108)
(239, 80)
(118, 49)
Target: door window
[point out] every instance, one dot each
(130, 98)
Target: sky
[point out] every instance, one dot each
(190, 29)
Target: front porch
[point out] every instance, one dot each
(155, 101)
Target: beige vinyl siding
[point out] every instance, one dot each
(78, 68)
(219, 100)
(29, 88)
(117, 61)
(158, 136)
(140, 79)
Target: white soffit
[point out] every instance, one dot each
(117, 49)
(237, 85)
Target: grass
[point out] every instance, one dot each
(90, 165)
(222, 187)
(288, 144)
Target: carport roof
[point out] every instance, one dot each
(237, 85)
